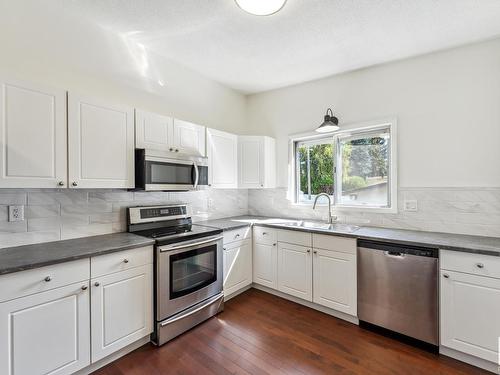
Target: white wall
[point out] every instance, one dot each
(447, 105)
(42, 42)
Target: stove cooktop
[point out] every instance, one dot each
(168, 235)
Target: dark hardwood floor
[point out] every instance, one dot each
(259, 333)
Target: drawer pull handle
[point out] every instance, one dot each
(446, 276)
(480, 265)
(47, 279)
(125, 260)
(96, 283)
(84, 287)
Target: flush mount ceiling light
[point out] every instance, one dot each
(330, 124)
(261, 7)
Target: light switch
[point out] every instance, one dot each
(410, 205)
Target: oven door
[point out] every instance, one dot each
(187, 273)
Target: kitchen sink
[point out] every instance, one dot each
(321, 226)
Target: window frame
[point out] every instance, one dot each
(348, 130)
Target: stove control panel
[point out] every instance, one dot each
(156, 213)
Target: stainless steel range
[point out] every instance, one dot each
(188, 268)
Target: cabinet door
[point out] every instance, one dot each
(153, 131)
(46, 333)
(237, 266)
(223, 159)
(189, 138)
(295, 270)
(100, 144)
(470, 311)
(251, 163)
(32, 136)
(122, 310)
(334, 280)
(265, 265)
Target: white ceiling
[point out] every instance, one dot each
(308, 39)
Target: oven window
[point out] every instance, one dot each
(169, 173)
(192, 270)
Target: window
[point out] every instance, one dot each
(354, 167)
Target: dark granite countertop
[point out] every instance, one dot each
(445, 241)
(19, 258)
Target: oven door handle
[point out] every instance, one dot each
(194, 311)
(191, 244)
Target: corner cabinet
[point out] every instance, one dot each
(257, 162)
(32, 135)
(223, 159)
(100, 144)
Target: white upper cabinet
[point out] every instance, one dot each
(223, 159)
(32, 136)
(257, 162)
(189, 138)
(100, 144)
(153, 131)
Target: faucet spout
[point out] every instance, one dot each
(330, 217)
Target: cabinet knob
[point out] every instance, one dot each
(60, 183)
(479, 265)
(224, 248)
(125, 260)
(47, 279)
(261, 185)
(176, 150)
(97, 283)
(446, 276)
(237, 235)
(315, 252)
(274, 244)
(84, 287)
(264, 233)
(308, 250)
(170, 149)
(74, 183)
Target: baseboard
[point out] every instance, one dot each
(113, 357)
(323, 309)
(234, 294)
(469, 359)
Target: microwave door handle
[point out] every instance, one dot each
(196, 175)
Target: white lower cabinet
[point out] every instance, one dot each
(470, 314)
(334, 280)
(46, 333)
(295, 270)
(237, 266)
(121, 310)
(265, 264)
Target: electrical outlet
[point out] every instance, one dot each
(16, 213)
(410, 205)
(210, 203)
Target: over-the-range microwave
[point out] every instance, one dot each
(155, 171)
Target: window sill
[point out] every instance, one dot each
(335, 208)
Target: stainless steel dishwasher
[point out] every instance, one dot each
(398, 289)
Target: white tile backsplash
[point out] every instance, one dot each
(454, 210)
(61, 214)
(54, 214)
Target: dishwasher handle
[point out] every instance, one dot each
(394, 254)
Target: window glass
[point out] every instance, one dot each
(353, 168)
(364, 169)
(315, 169)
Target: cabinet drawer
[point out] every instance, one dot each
(237, 235)
(294, 237)
(120, 261)
(265, 235)
(335, 243)
(20, 284)
(476, 264)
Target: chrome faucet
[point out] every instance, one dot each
(330, 217)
